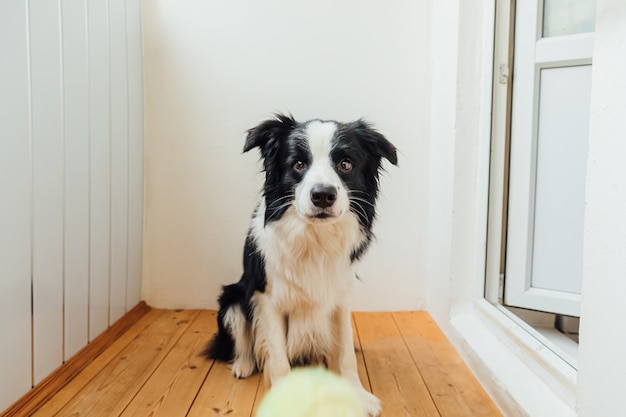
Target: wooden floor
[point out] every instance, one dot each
(154, 369)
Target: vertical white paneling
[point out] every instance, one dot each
(15, 205)
(119, 159)
(100, 166)
(135, 152)
(76, 116)
(48, 185)
(71, 179)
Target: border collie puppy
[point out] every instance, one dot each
(312, 225)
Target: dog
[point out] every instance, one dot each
(309, 230)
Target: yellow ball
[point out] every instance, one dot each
(311, 392)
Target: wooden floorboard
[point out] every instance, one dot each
(449, 381)
(108, 391)
(173, 386)
(155, 369)
(223, 395)
(393, 375)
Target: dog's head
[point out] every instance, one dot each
(324, 169)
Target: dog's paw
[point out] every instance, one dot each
(370, 403)
(243, 368)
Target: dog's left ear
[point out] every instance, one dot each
(268, 133)
(376, 141)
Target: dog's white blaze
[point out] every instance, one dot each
(321, 171)
(320, 135)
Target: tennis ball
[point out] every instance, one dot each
(311, 392)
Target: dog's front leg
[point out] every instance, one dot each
(346, 362)
(270, 329)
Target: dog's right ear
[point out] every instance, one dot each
(269, 133)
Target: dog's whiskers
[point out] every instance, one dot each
(275, 211)
(288, 196)
(358, 191)
(358, 209)
(352, 198)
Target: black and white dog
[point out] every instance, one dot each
(311, 227)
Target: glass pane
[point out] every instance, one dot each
(568, 17)
(562, 139)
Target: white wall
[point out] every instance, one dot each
(459, 154)
(602, 355)
(71, 179)
(214, 69)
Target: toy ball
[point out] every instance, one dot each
(311, 392)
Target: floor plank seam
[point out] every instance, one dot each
(195, 397)
(256, 397)
(140, 387)
(417, 368)
(358, 335)
(188, 325)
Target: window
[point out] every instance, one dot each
(540, 129)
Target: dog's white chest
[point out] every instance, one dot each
(310, 334)
(307, 265)
(309, 274)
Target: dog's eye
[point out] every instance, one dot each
(299, 166)
(345, 165)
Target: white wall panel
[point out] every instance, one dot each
(135, 152)
(48, 185)
(119, 159)
(99, 166)
(71, 179)
(76, 122)
(15, 205)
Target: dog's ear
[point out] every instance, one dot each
(375, 141)
(269, 133)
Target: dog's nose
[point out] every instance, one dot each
(323, 195)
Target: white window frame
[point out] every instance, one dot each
(508, 356)
(533, 53)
